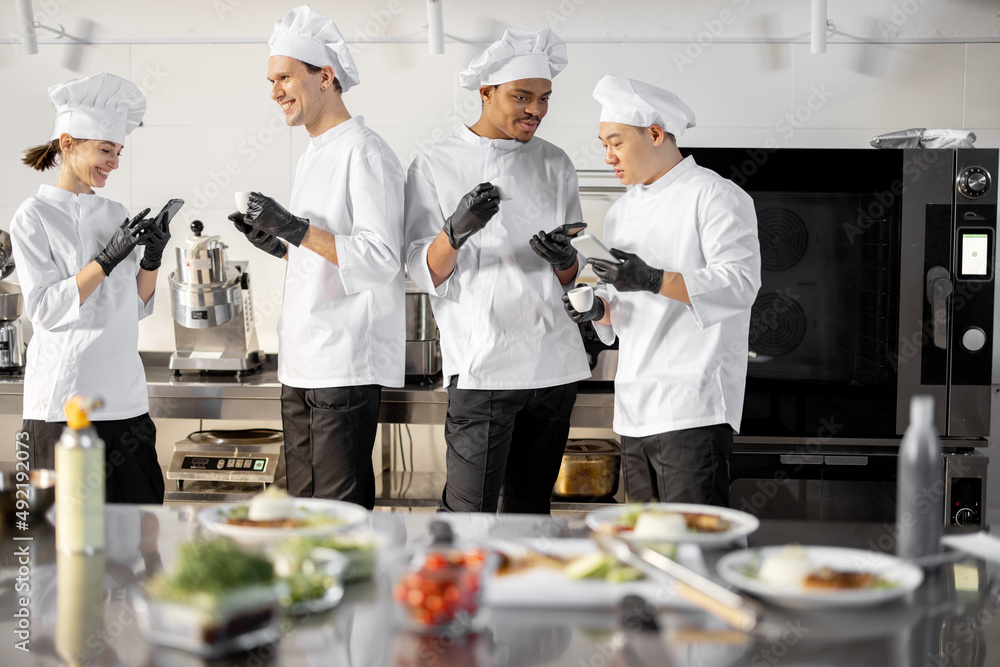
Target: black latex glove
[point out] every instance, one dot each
(266, 242)
(156, 242)
(472, 213)
(270, 217)
(596, 311)
(554, 247)
(630, 275)
(132, 233)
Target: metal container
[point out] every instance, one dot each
(6, 255)
(197, 307)
(11, 302)
(420, 324)
(203, 263)
(12, 348)
(590, 470)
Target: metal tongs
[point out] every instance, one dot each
(734, 609)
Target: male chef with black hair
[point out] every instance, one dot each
(341, 333)
(475, 203)
(679, 299)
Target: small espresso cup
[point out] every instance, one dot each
(582, 298)
(242, 200)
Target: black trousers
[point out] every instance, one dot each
(329, 437)
(687, 466)
(132, 473)
(505, 443)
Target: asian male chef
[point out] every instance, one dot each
(341, 333)
(511, 357)
(679, 300)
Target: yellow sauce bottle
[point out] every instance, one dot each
(79, 482)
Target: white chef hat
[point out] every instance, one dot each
(307, 35)
(637, 103)
(103, 107)
(519, 54)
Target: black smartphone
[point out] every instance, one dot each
(576, 228)
(167, 213)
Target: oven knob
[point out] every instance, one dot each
(973, 339)
(974, 182)
(965, 517)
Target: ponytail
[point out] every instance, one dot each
(42, 157)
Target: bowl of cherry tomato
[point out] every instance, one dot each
(437, 589)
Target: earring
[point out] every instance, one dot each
(322, 89)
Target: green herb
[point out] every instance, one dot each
(751, 569)
(631, 514)
(211, 568)
(238, 512)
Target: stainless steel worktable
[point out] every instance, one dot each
(257, 396)
(941, 624)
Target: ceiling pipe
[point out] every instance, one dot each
(435, 27)
(26, 26)
(817, 37)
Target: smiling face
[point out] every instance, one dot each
(513, 110)
(639, 155)
(297, 91)
(86, 164)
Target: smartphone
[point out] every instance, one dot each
(591, 247)
(167, 213)
(575, 228)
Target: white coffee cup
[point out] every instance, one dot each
(242, 201)
(582, 298)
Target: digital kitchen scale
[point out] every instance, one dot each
(226, 466)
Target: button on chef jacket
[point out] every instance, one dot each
(90, 348)
(344, 325)
(683, 366)
(501, 320)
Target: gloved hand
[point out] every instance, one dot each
(266, 242)
(270, 217)
(156, 242)
(596, 311)
(132, 233)
(472, 213)
(555, 248)
(631, 275)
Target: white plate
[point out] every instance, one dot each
(906, 577)
(742, 524)
(350, 516)
(548, 587)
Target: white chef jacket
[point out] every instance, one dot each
(501, 320)
(683, 366)
(344, 325)
(90, 348)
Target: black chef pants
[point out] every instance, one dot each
(508, 441)
(131, 472)
(687, 466)
(329, 435)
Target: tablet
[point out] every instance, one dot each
(592, 248)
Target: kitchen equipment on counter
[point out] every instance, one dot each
(226, 465)
(423, 345)
(212, 309)
(12, 343)
(590, 470)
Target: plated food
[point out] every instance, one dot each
(817, 577)
(269, 517)
(216, 600)
(673, 522)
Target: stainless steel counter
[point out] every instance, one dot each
(952, 619)
(257, 396)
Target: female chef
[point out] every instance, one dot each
(86, 285)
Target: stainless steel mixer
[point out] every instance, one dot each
(12, 344)
(212, 309)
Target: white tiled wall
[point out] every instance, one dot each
(211, 129)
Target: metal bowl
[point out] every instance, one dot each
(6, 255)
(11, 301)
